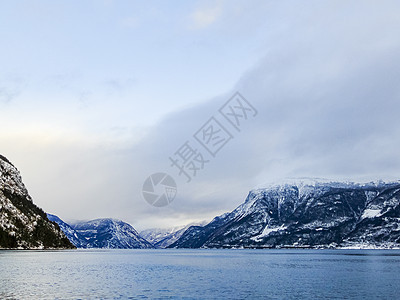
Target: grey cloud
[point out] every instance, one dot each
(328, 99)
(118, 85)
(327, 94)
(11, 88)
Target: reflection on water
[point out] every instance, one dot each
(193, 274)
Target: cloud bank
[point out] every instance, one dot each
(327, 94)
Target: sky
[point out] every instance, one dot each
(95, 96)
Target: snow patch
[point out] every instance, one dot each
(266, 232)
(371, 213)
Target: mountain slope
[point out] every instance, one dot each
(162, 238)
(110, 233)
(75, 237)
(304, 215)
(22, 224)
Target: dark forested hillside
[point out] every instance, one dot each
(23, 225)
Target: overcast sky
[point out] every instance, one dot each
(97, 95)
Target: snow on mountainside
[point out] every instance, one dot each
(110, 233)
(75, 237)
(155, 235)
(162, 238)
(22, 224)
(316, 214)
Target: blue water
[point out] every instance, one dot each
(200, 274)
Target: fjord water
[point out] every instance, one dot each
(200, 274)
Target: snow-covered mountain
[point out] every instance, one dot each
(107, 233)
(74, 236)
(319, 214)
(22, 224)
(162, 238)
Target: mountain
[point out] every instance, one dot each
(162, 238)
(318, 215)
(74, 236)
(23, 225)
(107, 233)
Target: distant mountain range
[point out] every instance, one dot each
(116, 234)
(162, 238)
(102, 233)
(294, 215)
(23, 225)
(318, 215)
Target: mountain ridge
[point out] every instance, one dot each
(307, 216)
(301, 214)
(162, 238)
(106, 233)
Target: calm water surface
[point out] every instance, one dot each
(200, 274)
